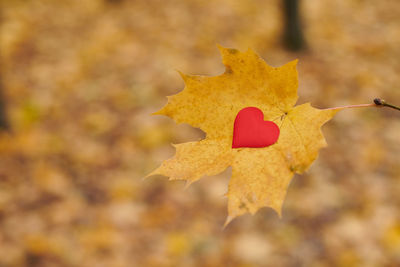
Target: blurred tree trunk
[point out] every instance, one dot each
(293, 35)
(3, 118)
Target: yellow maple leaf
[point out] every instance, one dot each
(260, 176)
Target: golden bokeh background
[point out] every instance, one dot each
(79, 80)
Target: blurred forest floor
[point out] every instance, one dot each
(80, 79)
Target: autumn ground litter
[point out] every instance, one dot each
(80, 80)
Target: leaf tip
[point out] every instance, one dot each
(291, 65)
(188, 184)
(220, 47)
(184, 76)
(225, 51)
(279, 212)
(228, 220)
(155, 172)
(251, 51)
(159, 112)
(164, 109)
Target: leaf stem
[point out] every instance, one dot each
(353, 106)
(377, 103)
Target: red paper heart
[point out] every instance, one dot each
(250, 129)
